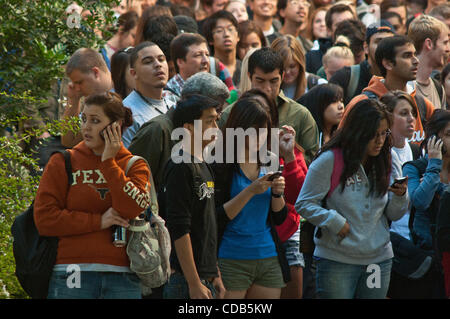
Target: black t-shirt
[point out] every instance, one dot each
(342, 78)
(190, 209)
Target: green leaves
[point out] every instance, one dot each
(35, 44)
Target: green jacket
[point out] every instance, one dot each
(296, 115)
(153, 142)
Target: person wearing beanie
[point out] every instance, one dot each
(153, 141)
(355, 78)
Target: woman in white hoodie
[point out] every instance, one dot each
(347, 195)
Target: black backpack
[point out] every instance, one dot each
(35, 255)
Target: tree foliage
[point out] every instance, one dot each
(36, 41)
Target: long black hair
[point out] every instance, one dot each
(318, 99)
(247, 112)
(358, 129)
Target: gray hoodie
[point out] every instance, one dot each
(368, 241)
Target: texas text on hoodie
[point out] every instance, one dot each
(73, 213)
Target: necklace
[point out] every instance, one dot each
(150, 104)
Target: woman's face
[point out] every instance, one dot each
(334, 64)
(291, 71)
(93, 121)
(376, 144)
(127, 39)
(404, 121)
(249, 42)
(333, 113)
(238, 10)
(319, 26)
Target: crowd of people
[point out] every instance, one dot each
(360, 93)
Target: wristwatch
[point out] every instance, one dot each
(277, 195)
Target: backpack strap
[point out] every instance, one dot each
(153, 208)
(438, 87)
(67, 164)
(422, 108)
(370, 95)
(338, 168)
(355, 72)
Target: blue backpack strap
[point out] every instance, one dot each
(370, 95)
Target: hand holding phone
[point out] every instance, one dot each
(399, 180)
(435, 147)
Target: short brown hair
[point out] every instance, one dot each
(84, 60)
(391, 99)
(336, 8)
(112, 106)
(425, 27)
(179, 47)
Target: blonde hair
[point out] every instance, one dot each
(340, 50)
(289, 48)
(245, 83)
(425, 27)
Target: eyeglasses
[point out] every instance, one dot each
(220, 30)
(383, 135)
(303, 3)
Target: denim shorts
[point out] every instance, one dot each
(242, 274)
(293, 254)
(178, 288)
(94, 285)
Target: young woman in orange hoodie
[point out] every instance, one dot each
(83, 215)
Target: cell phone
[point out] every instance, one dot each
(399, 180)
(274, 175)
(102, 132)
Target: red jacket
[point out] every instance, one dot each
(294, 174)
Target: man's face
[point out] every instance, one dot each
(209, 121)
(401, 11)
(88, 83)
(296, 11)
(336, 18)
(197, 60)
(151, 67)
(440, 51)
(263, 8)
(399, 27)
(269, 83)
(373, 44)
(225, 36)
(406, 62)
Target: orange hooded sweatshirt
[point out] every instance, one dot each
(73, 213)
(376, 85)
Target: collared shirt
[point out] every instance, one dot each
(174, 87)
(144, 109)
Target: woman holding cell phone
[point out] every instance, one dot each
(249, 205)
(83, 215)
(352, 238)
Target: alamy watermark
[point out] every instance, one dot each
(237, 141)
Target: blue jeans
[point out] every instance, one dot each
(337, 280)
(178, 288)
(95, 285)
